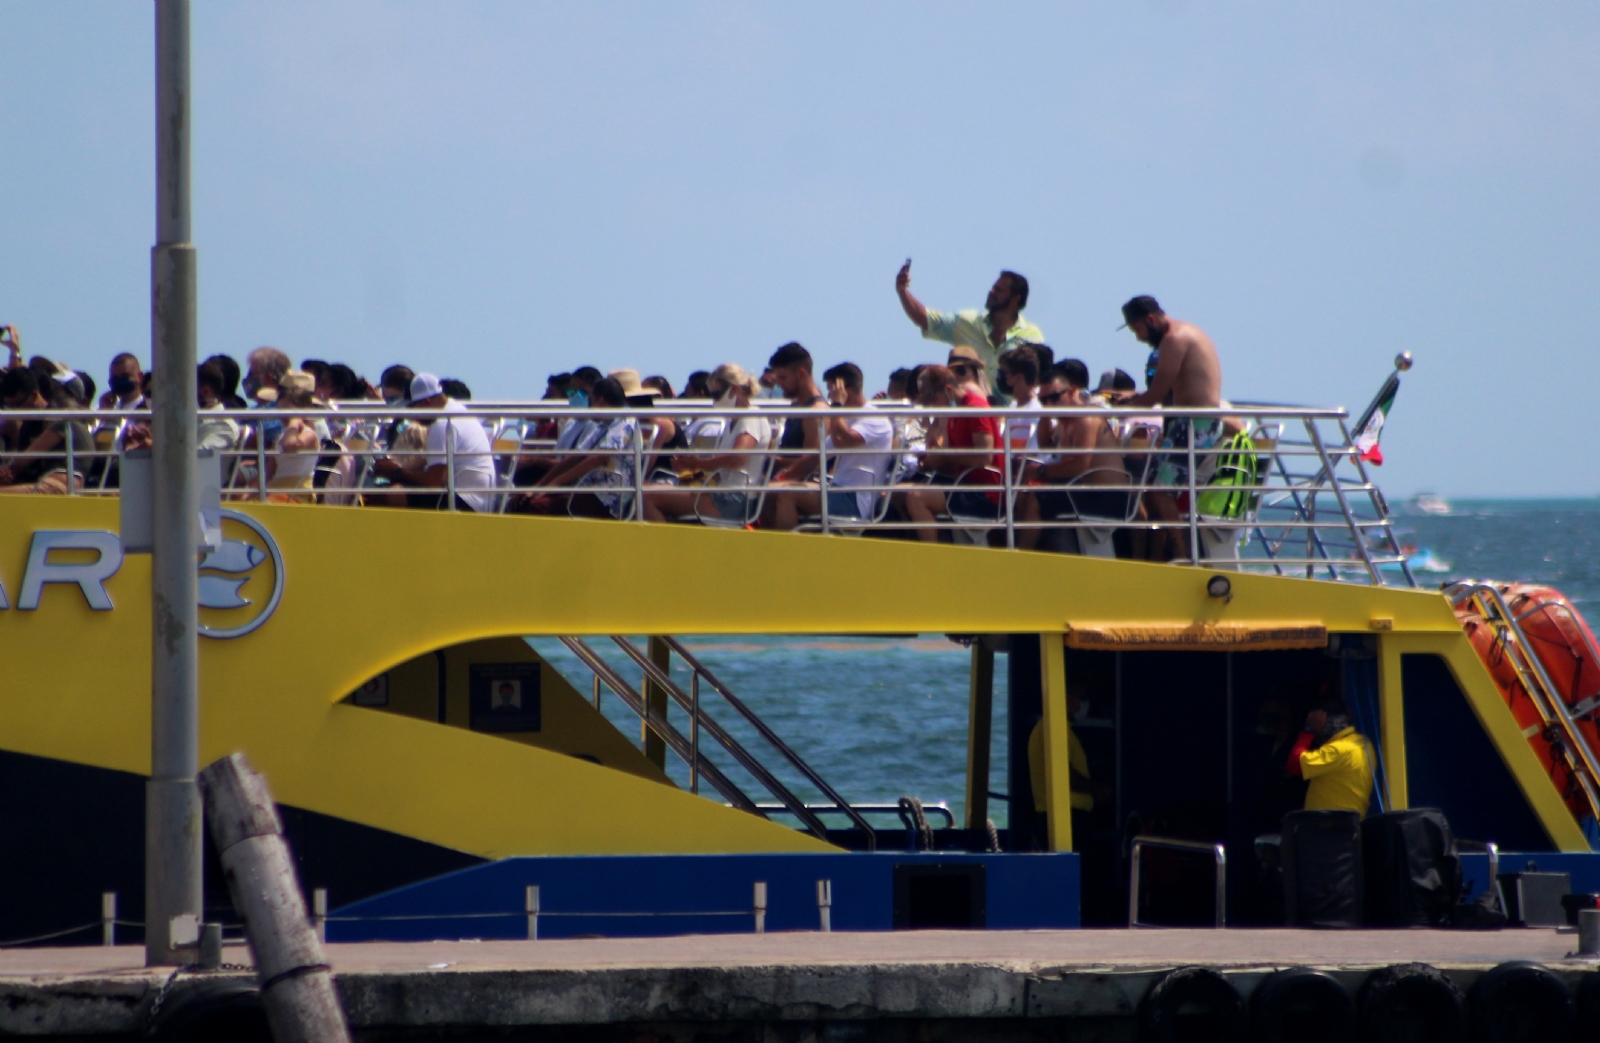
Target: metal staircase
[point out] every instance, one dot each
(1558, 721)
(687, 748)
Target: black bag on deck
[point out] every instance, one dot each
(1321, 853)
(1413, 875)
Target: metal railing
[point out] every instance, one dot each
(940, 809)
(688, 748)
(1491, 849)
(1217, 851)
(1297, 500)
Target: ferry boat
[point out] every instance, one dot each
(439, 778)
(1431, 503)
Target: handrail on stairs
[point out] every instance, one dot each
(772, 738)
(670, 735)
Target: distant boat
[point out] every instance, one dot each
(1419, 559)
(1425, 560)
(1431, 503)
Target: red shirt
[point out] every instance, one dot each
(961, 429)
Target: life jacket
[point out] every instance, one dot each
(1228, 494)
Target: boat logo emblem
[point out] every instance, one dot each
(232, 573)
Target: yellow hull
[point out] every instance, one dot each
(371, 592)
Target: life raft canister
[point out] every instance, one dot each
(1559, 637)
(1562, 641)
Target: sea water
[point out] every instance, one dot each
(880, 718)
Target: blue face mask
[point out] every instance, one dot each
(578, 399)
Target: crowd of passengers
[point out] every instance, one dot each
(746, 470)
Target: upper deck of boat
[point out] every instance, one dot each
(1285, 491)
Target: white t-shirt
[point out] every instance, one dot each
(1023, 431)
(474, 464)
(757, 427)
(862, 468)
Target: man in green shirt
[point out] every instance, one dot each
(998, 329)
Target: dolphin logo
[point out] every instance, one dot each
(229, 567)
(234, 556)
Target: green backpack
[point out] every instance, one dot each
(1228, 494)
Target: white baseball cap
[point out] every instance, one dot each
(425, 385)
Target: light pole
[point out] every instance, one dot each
(172, 885)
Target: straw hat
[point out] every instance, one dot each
(965, 353)
(629, 379)
(297, 380)
(734, 374)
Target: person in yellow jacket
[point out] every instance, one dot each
(1338, 769)
(1077, 763)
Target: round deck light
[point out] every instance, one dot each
(1219, 587)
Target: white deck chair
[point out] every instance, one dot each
(974, 528)
(729, 480)
(504, 448)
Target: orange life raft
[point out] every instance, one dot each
(1566, 649)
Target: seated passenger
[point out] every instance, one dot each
(791, 371)
(900, 389)
(127, 384)
(1019, 377)
(1078, 465)
(850, 470)
(461, 438)
(737, 461)
(662, 431)
(694, 386)
(971, 373)
(575, 434)
(215, 433)
(19, 390)
(409, 447)
(293, 460)
(955, 446)
(608, 470)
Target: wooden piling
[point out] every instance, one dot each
(296, 983)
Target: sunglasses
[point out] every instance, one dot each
(1052, 398)
(960, 367)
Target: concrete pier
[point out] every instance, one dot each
(926, 985)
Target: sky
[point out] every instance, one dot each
(498, 191)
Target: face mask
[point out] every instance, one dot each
(391, 400)
(124, 384)
(578, 399)
(251, 385)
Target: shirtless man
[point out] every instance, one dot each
(1079, 464)
(1187, 373)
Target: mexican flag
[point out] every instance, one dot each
(1370, 427)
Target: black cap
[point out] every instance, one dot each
(1138, 308)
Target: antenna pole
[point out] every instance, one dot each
(172, 887)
